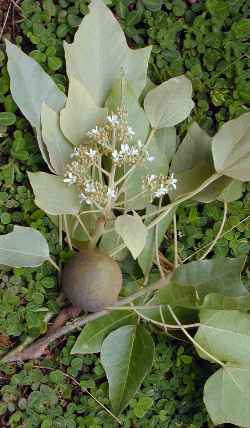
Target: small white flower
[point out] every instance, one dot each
(161, 191)
(130, 131)
(151, 178)
(83, 198)
(149, 157)
(94, 131)
(70, 179)
(111, 193)
(113, 119)
(75, 153)
(90, 188)
(173, 181)
(125, 149)
(115, 156)
(139, 144)
(91, 153)
(134, 151)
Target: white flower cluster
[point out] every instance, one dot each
(159, 185)
(130, 154)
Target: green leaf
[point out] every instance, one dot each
(227, 395)
(231, 148)
(232, 192)
(97, 62)
(53, 195)
(226, 335)
(43, 149)
(133, 232)
(80, 113)
(91, 338)
(218, 302)
(31, 86)
(59, 149)
(7, 118)
(127, 356)
(24, 247)
(169, 103)
(195, 147)
(182, 299)
(147, 255)
(214, 190)
(221, 275)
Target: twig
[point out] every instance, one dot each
(37, 349)
(83, 226)
(5, 21)
(175, 243)
(53, 263)
(217, 237)
(67, 232)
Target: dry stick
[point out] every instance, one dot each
(5, 21)
(218, 234)
(37, 349)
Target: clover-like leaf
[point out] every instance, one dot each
(169, 103)
(23, 247)
(53, 195)
(231, 148)
(31, 86)
(133, 232)
(80, 113)
(59, 149)
(227, 394)
(126, 355)
(91, 338)
(99, 53)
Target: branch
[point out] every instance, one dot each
(37, 349)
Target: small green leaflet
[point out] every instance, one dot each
(91, 338)
(231, 148)
(221, 275)
(24, 247)
(80, 113)
(53, 195)
(133, 232)
(31, 86)
(126, 355)
(96, 62)
(227, 395)
(169, 103)
(59, 149)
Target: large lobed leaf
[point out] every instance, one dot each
(127, 356)
(23, 247)
(219, 275)
(169, 103)
(52, 195)
(99, 53)
(31, 86)
(231, 148)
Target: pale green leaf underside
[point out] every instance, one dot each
(91, 338)
(52, 195)
(127, 356)
(231, 148)
(227, 396)
(80, 113)
(31, 86)
(99, 53)
(24, 247)
(147, 255)
(59, 149)
(133, 232)
(219, 302)
(219, 275)
(169, 103)
(225, 334)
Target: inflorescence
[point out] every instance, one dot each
(116, 141)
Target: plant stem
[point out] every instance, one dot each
(83, 226)
(37, 349)
(67, 231)
(218, 234)
(53, 263)
(175, 243)
(99, 230)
